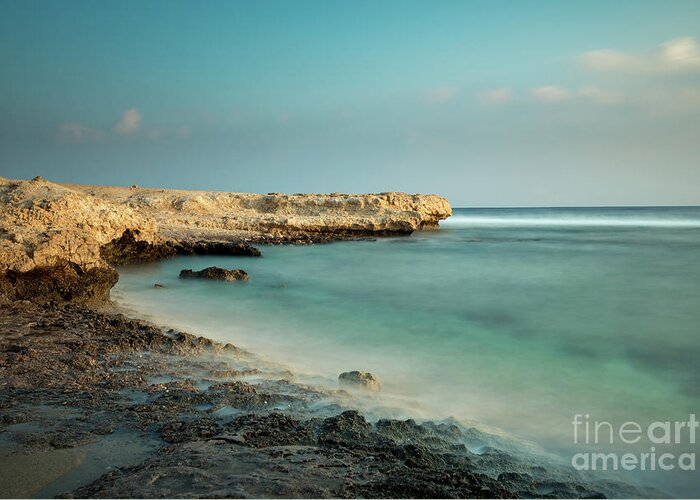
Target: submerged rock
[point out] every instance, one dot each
(359, 380)
(216, 273)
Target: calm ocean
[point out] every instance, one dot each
(513, 319)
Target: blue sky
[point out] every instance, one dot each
(490, 103)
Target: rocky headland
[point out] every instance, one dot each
(58, 242)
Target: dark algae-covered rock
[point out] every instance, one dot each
(129, 248)
(62, 282)
(216, 273)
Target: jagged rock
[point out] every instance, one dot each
(275, 429)
(349, 428)
(217, 248)
(359, 380)
(216, 273)
(129, 249)
(182, 431)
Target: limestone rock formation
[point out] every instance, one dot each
(185, 215)
(50, 239)
(67, 236)
(216, 273)
(42, 223)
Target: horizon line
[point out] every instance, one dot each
(517, 207)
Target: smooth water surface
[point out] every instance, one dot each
(517, 319)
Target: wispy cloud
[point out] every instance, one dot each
(129, 122)
(497, 96)
(550, 93)
(635, 83)
(674, 56)
(441, 95)
(75, 133)
(553, 93)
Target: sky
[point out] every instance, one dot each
(489, 103)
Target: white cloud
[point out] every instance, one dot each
(607, 59)
(674, 56)
(497, 96)
(129, 123)
(556, 93)
(441, 95)
(75, 133)
(681, 51)
(550, 93)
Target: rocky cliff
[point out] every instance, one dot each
(57, 241)
(187, 215)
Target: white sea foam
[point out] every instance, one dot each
(460, 220)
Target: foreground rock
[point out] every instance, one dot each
(359, 380)
(50, 240)
(216, 273)
(185, 417)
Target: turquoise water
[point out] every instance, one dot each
(516, 319)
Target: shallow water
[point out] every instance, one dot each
(517, 319)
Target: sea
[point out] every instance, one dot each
(535, 323)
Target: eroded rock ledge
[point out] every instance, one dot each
(205, 215)
(57, 242)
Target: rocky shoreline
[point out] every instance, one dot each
(215, 422)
